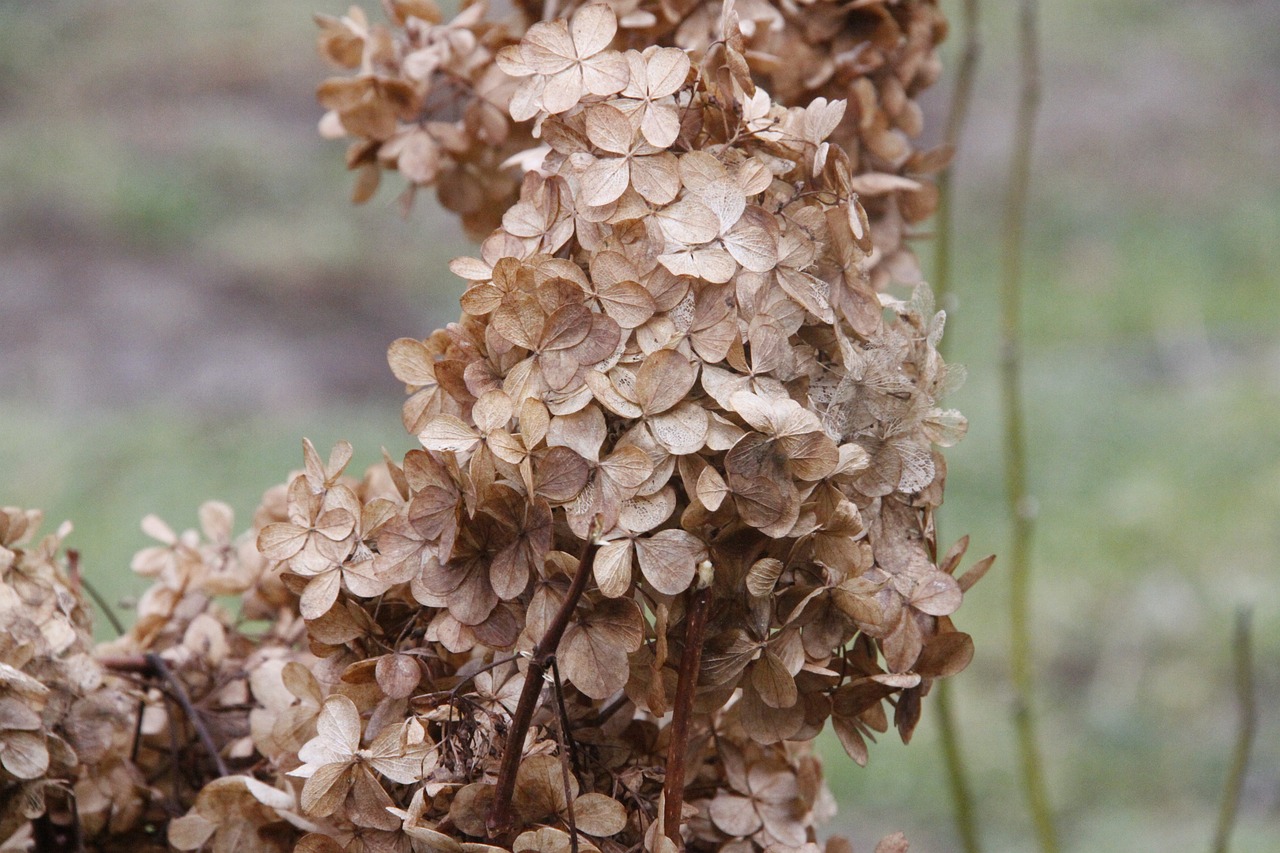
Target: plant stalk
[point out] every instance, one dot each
(499, 819)
(695, 634)
(962, 804)
(1020, 504)
(1242, 651)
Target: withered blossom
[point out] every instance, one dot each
(672, 509)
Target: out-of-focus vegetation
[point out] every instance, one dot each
(169, 214)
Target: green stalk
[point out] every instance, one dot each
(961, 791)
(1242, 649)
(1020, 504)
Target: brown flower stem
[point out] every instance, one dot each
(180, 694)
(78, 579)
(1020, 506)
(562, 735)
(695, 634)
(152, 665)
(564, 719)
(1242, 651)
(499, 818)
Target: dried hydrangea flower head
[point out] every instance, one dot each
(452, 104)
(672, 510)
(673, 397)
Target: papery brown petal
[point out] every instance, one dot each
(398, 675)
(656, 177)
(669, 559)
(326, 789)
(938, 594)
(628, 467)
(560, 474)
(612, 568)
(599, 815)
(540, 788)
(896, 843)
(763, 576)
(665, 378)
(770, 678)
(768, 725)
(734, 815)
(469, 807)
(945, 655)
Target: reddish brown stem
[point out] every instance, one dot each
(499, 819)
(695, 634)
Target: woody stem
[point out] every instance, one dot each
(695, 634)
(499, 819)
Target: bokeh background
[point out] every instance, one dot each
(185, 292)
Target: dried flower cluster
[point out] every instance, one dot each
(671, 515)
(449, 104)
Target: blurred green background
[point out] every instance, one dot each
(185, 293)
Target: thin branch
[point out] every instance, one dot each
(558, 686)
(562, 740)
(1242, 652)
(695, 634)
(499, 818)
(77, 577)
(193, 714)
(1020, 504)
(962, 803)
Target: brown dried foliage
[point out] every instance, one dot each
(675, 410)
(453, 105)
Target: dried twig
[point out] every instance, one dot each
(78, 578)
(1242, 652)
(562, 741)
(1020, 504)
(193, 714)
(499, 817)
(690, 663)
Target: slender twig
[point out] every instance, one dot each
(962, 804)
(695, 633)
(562, 741)
(179, 691)
(558, 686)
(1020, 504)
(499, 818)
(1242, 652)
(78, 578)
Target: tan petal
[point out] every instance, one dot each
(593, 28)
(776, 686)
(605, 180)
(609, 128)
(599, 815)
(24, 754)
(682, 430)
(665, 378)
(938, 594)
(447, 433)
(656, 177)
(612, 568)
(688, 221)
(669, 559)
